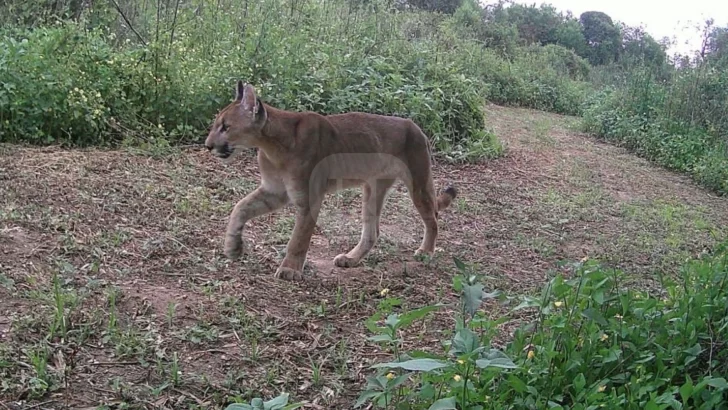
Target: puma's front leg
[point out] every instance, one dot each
(257, 203)
(292, 266)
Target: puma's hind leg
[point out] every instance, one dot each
(375, 193)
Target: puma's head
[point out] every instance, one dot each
(238, 125)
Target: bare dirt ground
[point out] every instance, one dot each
(114, 291)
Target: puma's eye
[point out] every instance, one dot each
(224, 127)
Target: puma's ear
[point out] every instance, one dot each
(249, 100)
(239, 91)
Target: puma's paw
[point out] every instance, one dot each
(343, 261)
(288, 274)
(421, 254)
(233, 246)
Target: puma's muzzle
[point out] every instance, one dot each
(223, 150)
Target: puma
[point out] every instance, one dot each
(302, 156)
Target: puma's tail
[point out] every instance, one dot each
(446, 197)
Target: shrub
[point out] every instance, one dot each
(638, 122)
(593, 344)
(51, 93)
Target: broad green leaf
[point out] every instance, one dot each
(409, 317)
(460, 265)
(518, 385)
(595, 315)
(717, 382)
(579, 382)
(280, 403)
(422, 365)
(465, 342)
(392, 321)
(380, 338)
(501, 363)
(447, 403)
(686, 390)
(528, 302)
(694, 351)
(364, 397)
(472, 297)
(239, 406)
(651, 405)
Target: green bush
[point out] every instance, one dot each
(641, 125)
(592, 343)
(51, 93)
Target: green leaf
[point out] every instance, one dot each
(364, 397)
(472, 297)
(392, 321)
(409, 317)
(579, 382)
(501, 363)
(239, 406)
(465, 342)
(595, 315)
(686, 390)
(694, 351)
(380, 338)
(447, 403)
(496, 358)
(518, 385)
(717, 382)
(422, 365)
(651, 405)
(257, 403)
(280, 403)
(460, 265)
(528, 302)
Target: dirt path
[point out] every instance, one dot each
(116, 259)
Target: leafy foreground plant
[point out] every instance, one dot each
(278, 403)
(592, 344)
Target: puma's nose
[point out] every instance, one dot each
(209, 147)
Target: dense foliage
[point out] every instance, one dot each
(156, 72)
(591, 343)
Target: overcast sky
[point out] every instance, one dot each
(660, 18)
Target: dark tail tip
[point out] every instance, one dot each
(451, 191)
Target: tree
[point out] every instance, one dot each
(716, 44)
(536, 25)
(570, 35)
(638, 47)
(602, 37)
(442, 6)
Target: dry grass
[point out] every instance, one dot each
(113, 288)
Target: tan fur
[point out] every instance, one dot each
(303, 156)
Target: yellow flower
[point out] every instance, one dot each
(531, 354)
(460, 361)
(558, 304)
(601, 388)
(604, 337)
(384, 292)
(390, 376)
(457, 377)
